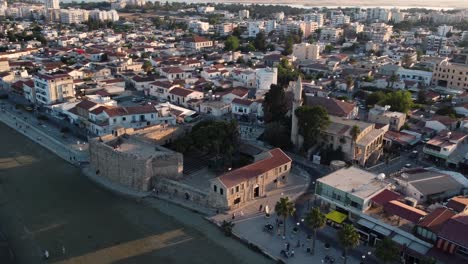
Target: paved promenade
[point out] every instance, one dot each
(66, 147)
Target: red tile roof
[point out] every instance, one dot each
(98, 110)
(277, 158)
(455, 230)
(458, 203)
(86, 104)
(385, 196)
(242, 101)
(332, 106)
(183, 92)
(435, 220)
(404, 211)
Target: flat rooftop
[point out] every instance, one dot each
(139, 148)
(355, 181)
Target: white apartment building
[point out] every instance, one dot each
(315, 17)
(331, 35)
(338, 20)
(52, 4)
(306, 51)
(443, 30)
(381, 32)
(379, 14)
(279, 16)
(224, 29)
(434, 42)
(244, 13)
(254, 27)
(199, 27)
(265, 77)
(73, 16)
(270, 25)
(422, 77)
(51, 89)
(102, 15)
(205, 9)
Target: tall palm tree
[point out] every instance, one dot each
(349, 238)
(393, 79)
(349, 82)
(355, 131)
(387, 251)
(284, 208)
(315, 220)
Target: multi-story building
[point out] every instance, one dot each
(102, 15)
(244, 13)
(450, 74)
(315, 17)
(73, 16)
(235, 188)
(279, 16)
(365, 148)
(270, 25)
(199, 27)
(331, 35)
(254, 27)
(448, 148)
(224, 29)
(51, 89)
(444, 30)
(339, 20)
(380, 32)
(52, 4)
(434, 42)
(382, 115)
(379, 14)
(350, 189)
(422, 77)
(265, 77)
(306, 51)
(197, 43)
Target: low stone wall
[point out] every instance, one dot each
(182, 191)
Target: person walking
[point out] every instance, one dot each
(261, 207)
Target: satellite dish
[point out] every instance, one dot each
(381, 176)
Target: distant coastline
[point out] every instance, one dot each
(307, 4)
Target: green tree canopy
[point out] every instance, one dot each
(399, 101)
(447, 111)
(349, 238)
(387, 251)
(313, 120)
(286, 73)
(274, 104)
(285, 208)
(260, 41)
(315, 220)
(231, 43)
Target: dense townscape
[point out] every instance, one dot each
(312, 135)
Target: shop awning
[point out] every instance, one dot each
(336, 217)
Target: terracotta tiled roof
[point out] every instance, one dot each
(458, 203)
(435, 220)
(242, 101)
(333, 106)
(385, 196)
(455, 230)
(180, 91)
(277, 158)
(404, 211)
(86, 104)
(98, 110)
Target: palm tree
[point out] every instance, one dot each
(349, 82)
(387, 251)
(355, 131)
(284, 208)
(393, 79)
(315, 220)
(349, 238)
